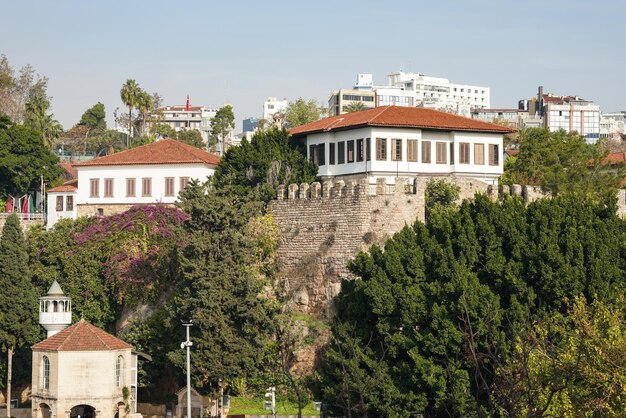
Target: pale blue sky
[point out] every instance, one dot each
(244, 51)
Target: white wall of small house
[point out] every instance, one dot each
(53, 215)
(119, 174)
(389, 168)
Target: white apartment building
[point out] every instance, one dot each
(272, 106)
(440, 93)
(613, 125)
(410, 90)
(188, 118)
(392, 141)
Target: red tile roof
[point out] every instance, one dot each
(615, 158)
(400, 117)
(166, 151)
(82, 336)
(71, 171)
(68, 186)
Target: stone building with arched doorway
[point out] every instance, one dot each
(80, 371)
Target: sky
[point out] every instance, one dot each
(241, 52)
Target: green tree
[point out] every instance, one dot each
(439, 195)
(129, 94)
(144, 105)
(18, 300)
(562, 163)
(443, 305)
(222, 125)
(23, 160)
(269, 159)
(355, 107)
(94, 118)
(191, 137)
(301, 112)
(218, 289)
(164, 130)
(567, 365)
(38, 119)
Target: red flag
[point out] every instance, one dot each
(25, 204)
(187, 105)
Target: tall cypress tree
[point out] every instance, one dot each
(18, 300)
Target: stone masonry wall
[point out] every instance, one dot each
(322, 227)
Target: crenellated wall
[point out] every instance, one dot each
(323, 226)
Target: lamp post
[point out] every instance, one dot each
(188, 344)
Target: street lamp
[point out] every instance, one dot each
(188, 344)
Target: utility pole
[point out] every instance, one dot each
(188, 344)
(271, 394)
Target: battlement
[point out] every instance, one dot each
(341, 188)
(403, 185)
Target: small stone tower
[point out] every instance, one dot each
(55, 310)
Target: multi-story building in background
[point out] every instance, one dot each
(187, 118)
(340, 99)
(440, 93)
(569, 113)
(411, 90)
(272, 106)
(613, 125)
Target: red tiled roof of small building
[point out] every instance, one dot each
(400, 117)
(68, 186)
(616, 158)
(82, 336)
(165, 151)
(69, 169)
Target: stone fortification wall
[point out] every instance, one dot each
(323, 226)
(26, 220)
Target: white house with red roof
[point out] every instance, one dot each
(149, 174)
(392, 141)
(80, 371)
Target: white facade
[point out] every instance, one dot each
(272, 105)
(474, 155)
(154, 176)
(612, 125)
(440, 93)
(60, 205)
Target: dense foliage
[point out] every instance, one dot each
(220, 287)
(24, 158)
(18, 300)
(268, 160)
(562, 163)
(436, 315)
(301, 112)
(107, 263)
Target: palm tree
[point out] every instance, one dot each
(144, 104)
(38, 118)
(355, 107)
(130, 93)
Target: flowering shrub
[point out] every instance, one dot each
(139, 245)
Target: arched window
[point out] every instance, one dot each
(119, 369)
(46, 372)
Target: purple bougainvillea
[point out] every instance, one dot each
(138, 245)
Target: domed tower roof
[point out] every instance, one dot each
(55, 310)
(55, 290)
